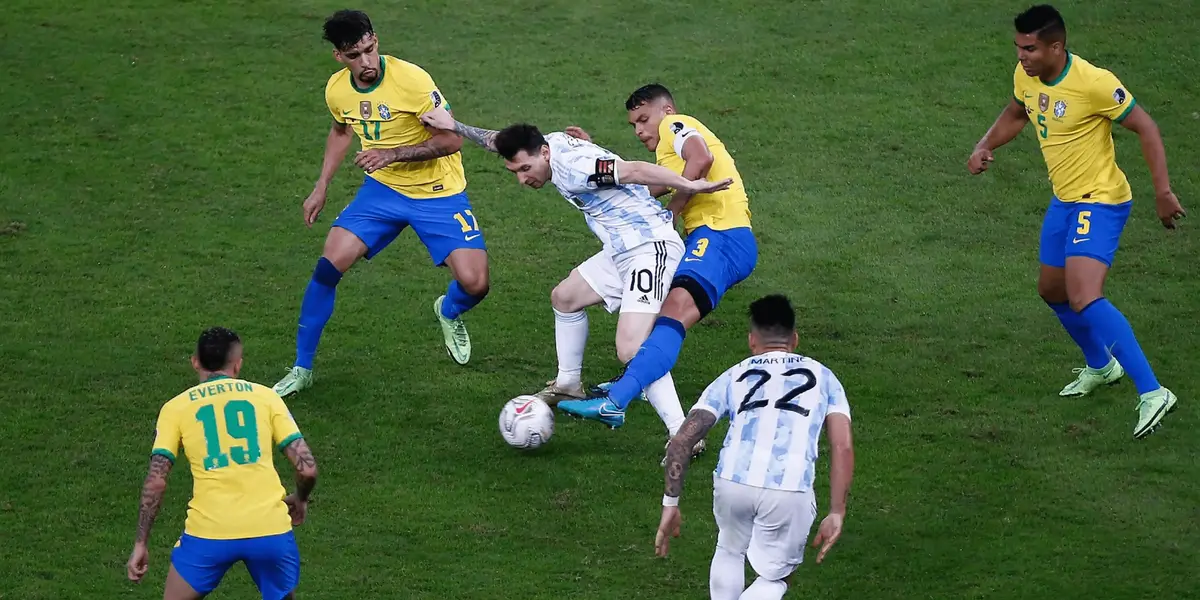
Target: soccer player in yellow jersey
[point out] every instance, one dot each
(228, 428)
(1072, 105)
(414, 177)
(721, 250)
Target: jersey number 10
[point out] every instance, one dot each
(785, 402)
(239, 424)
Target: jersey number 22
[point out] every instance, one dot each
(785, 402)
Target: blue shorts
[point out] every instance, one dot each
(273, 562)
(1081, 229)
(378, 214)
(717, 260)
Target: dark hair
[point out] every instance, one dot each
(515, 138)
(345, 28)
(773, 315)
(1044, 21)
(214, 347)
(647, 93)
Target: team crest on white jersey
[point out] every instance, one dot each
(385, 113)
(1060, 108)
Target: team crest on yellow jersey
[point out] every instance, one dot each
(364, 109)
(1044, 102)
(1119, 96)
(1060, 109)
(385, 113)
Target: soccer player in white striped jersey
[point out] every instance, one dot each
(640, 253)
(763, 501)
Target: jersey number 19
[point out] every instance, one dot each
(239, 424)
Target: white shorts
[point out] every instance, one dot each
(636, 280)
(770, 527)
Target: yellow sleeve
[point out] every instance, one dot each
(167, 434)
(284, 430)
(1018, 89)
(1109, 98)
(329, 102)
(427, 94)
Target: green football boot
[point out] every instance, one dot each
(454, 331)
(296, 380)
(1152, 407)
(1089, 379)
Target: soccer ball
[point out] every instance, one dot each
(526, 422)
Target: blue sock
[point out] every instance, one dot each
(1114, 329)
(315, 310)
(458, 301)
(655, 358)
(1094, 350)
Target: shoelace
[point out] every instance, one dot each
(460, 334)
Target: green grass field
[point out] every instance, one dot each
(156, 155)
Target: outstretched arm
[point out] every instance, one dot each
(441, 119)
(1139, 121)
(443, 143)
(1006, 128)
(648, 174)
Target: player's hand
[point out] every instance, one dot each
(313, 205)
(828, 534)
(704, 186)
(676, 206)
(577, 132)
(297, 509)
(139, 563)
(374, 160)
(1169, 208)
(438, 118)
(979, 161)
(668, 528)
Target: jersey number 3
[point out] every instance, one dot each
(784, 403)
(240, 424)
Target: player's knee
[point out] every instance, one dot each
(1081, 301)
(1053, 292)
(475, 282)
(627, 347)
(326, 273)
(560, 299)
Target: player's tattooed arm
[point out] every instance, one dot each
(153, 490)
(306, 467)
(479, 135)
(679, 451)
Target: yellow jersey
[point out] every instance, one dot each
(726, 209)
(1073, 117)
(228, 428)
(385, 115)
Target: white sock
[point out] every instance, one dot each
(665, 400)
(570, 339)
(727, 576)
(764, 589)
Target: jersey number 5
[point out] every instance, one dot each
(1042, 123)
(784, 403)
(239, 424)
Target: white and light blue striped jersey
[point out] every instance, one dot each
(776, 403)
(623, 216)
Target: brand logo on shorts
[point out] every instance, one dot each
(364, 109)
(1043, 102)
(384, 112)
(1060, 108)
(644, 299)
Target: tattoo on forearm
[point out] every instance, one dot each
(427, 150)
(306, 465)
(479, 135)
(152, 494)
(679, 451)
